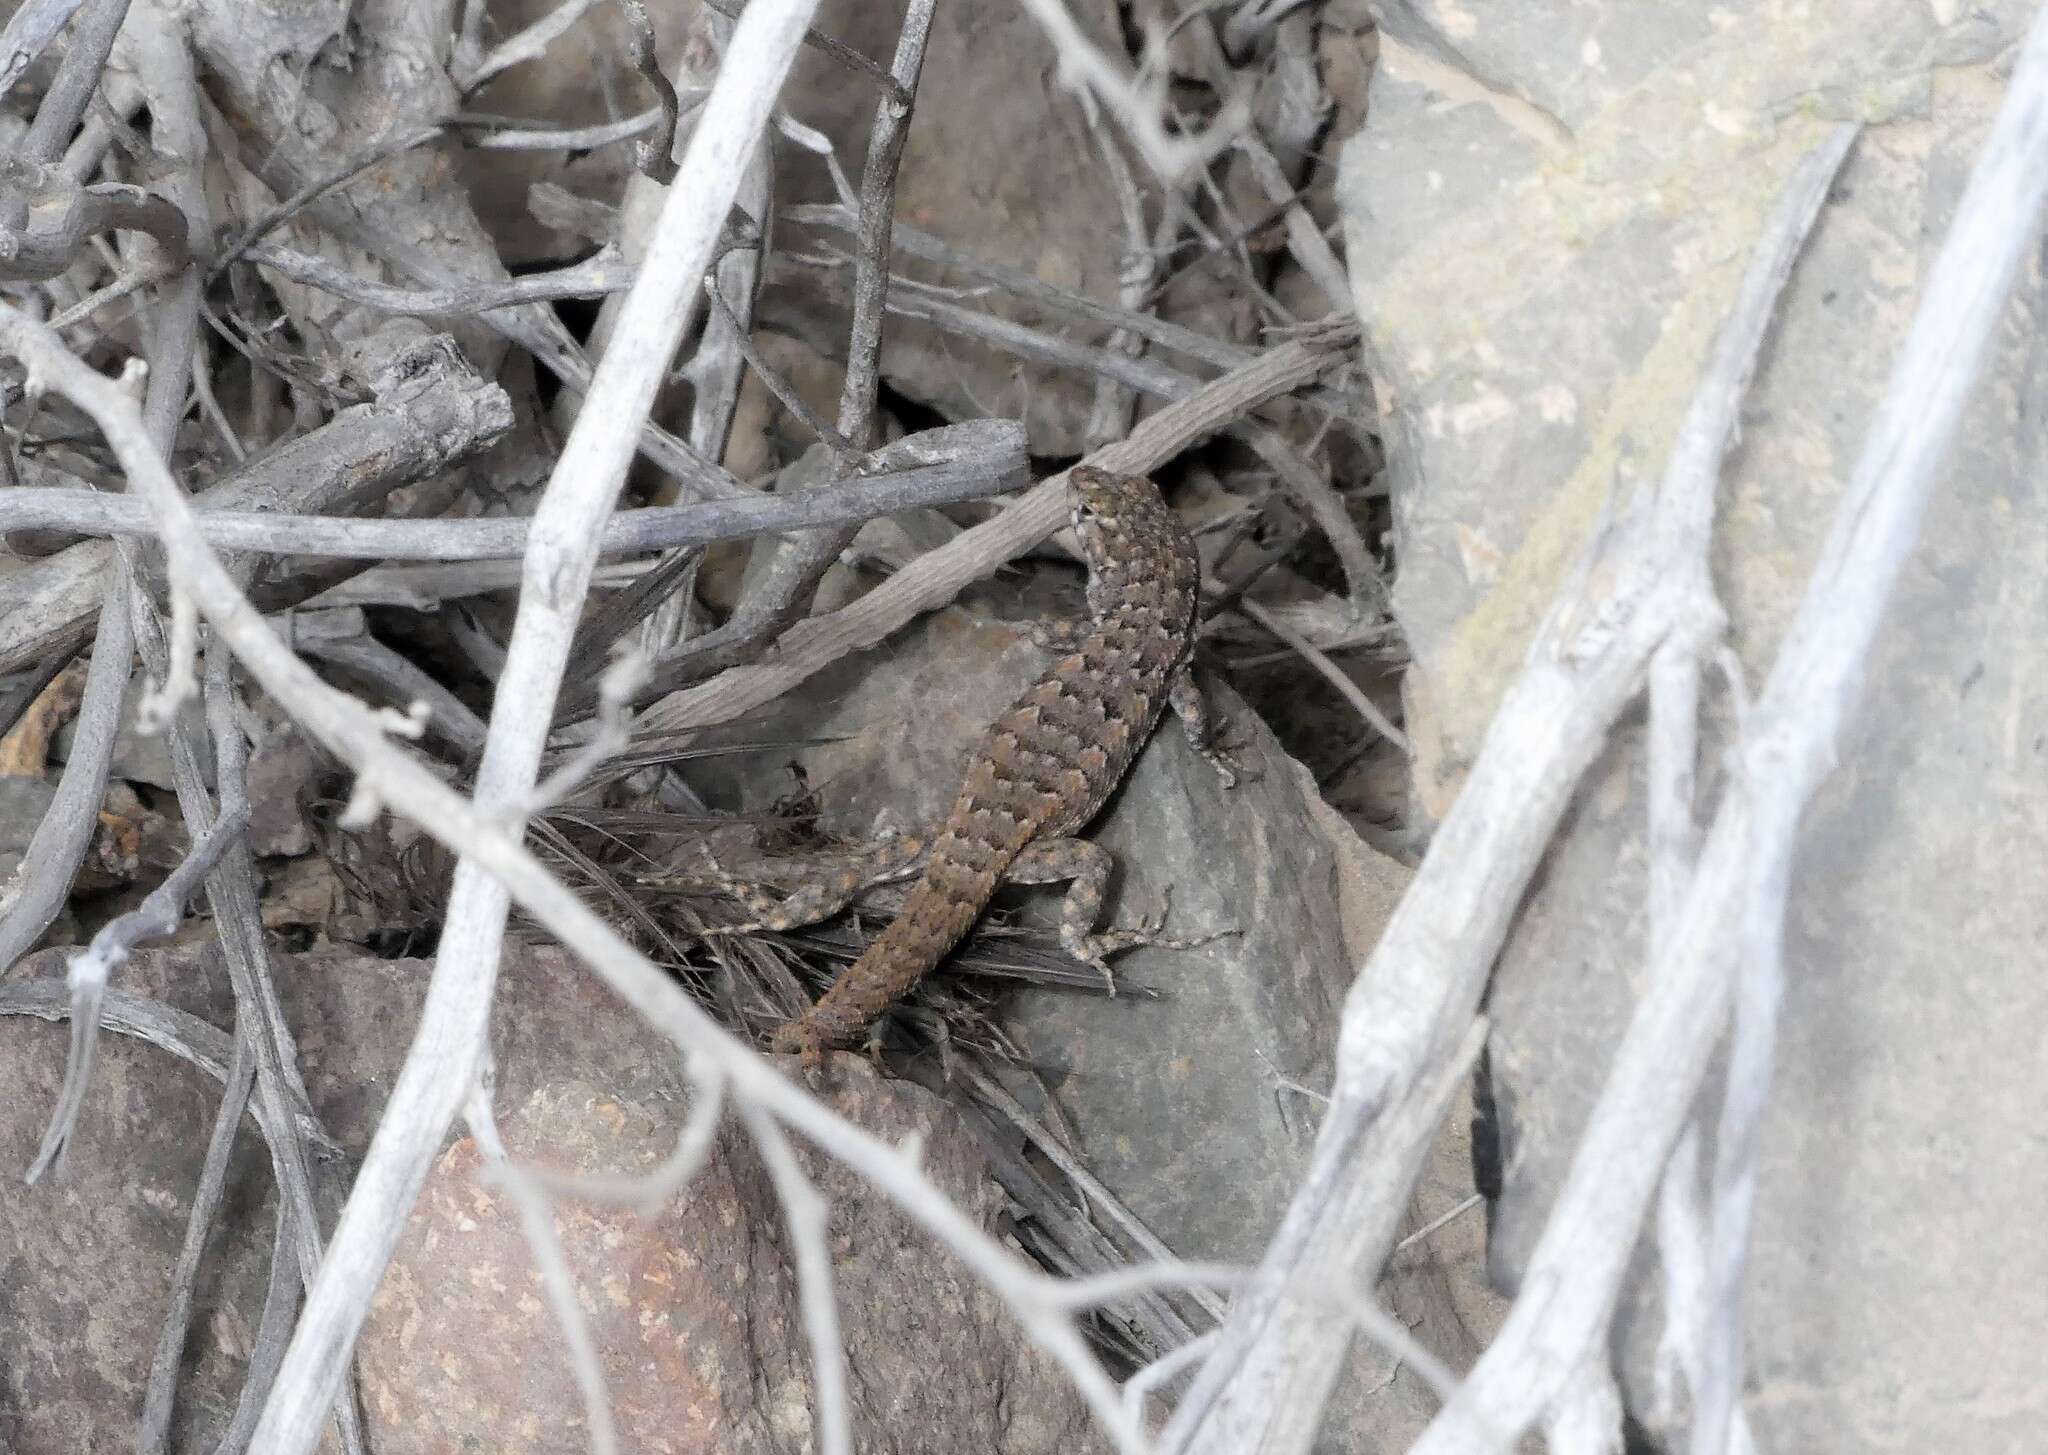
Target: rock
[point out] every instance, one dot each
(143, 757)
(999, 163)
(23, 802)
(284, 772)
(1193, 1090)
(1546, 223)
(134, 842)
(694, 1309)
(85, 1255)
(982, 167)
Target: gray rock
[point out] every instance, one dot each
(998, 162)
(1546, 220)
(23, 802)
(283, 772)
(143, 757)
(1193, 1091)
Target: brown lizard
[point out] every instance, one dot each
(1043, 770)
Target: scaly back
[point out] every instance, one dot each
(1047, 765)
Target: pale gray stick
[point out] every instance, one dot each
(807, 1215)
(448, 716)
(990, 460)
(1305, 239)
(1419, 989)
(430, 412)
(36, 893)
(318, 186)
(1336, 676)
(915, 242)
(193, 1040)
(939, 575)
(595, 277)
(57, 115)
(166, 67)
(564, 138)
(273, 1334)
(423, 588)
(785, 588)
(125, 1013)
(715, 370)
(441, 1066)
(155, 1426)
(528, 44)
(537, 1225)
(1114, 406)
(1299, 478)
(655, 158)
(159, 914)
(1790, 739)
(59, 843)
(29, 33)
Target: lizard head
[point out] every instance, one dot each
(1129, 536)
(1112, 514)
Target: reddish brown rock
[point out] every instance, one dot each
(693, 1309)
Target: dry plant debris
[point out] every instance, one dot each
(596, 451)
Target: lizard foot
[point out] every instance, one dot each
(1094, 949)
(1058, 635)
(802, 1038)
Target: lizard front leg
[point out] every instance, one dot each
(1087, 866)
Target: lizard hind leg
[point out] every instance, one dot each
(819, 887)
(1192, 708)
(1085, 867)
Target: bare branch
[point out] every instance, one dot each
(430, 411)
(989, 459)
(594, 277)
(824, 44)
(529, 44)
(273, 1334)
(47, 217)
(155, 1426)
(792, 576)
(342, 637)
(442, 1064)
(810, 1244)
(90, 969)
(646, 1193)
(1139, 106)
(537, 1223)
(493, 135)
(656, 158)
(92, 41)
(1330, 672)
(318, 187)
(29, 32)
(939, 575)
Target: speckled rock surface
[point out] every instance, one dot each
(1546, 218)
(694, 1309)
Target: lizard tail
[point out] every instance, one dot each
(942, 906)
